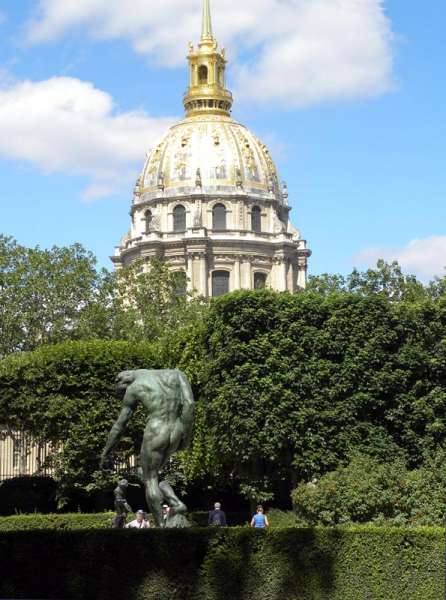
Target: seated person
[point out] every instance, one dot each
(140, 522)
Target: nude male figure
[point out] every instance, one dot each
(167, 397)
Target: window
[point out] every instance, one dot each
(220, 283)
(180, 284)
(148, 217)
(219, 217)
(179, 218)
(256, 219)
(203, 74)
(259, 281)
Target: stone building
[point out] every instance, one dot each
(209, 200)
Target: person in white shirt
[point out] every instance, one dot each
(140, 522)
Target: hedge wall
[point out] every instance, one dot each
(240, 564)
(78, 521)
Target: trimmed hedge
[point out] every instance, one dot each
(78, 521)
(240, 564)
(56, 522)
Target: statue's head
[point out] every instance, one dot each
(123, 380)
(124, 484)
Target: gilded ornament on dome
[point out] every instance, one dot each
(220, 170)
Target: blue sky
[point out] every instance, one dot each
(349, 94)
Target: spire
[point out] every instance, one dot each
(206, 31)
(207, 93)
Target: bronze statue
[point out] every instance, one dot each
(121, 505)
(167, 397)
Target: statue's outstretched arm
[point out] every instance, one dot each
(119, 427)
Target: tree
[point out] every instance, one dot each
(43, 294)
(386, 279)
(51, 296)
(293, 383)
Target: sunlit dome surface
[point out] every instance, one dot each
(213, 152)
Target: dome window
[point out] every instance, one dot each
(203, 75)
(179, 218)
(220, 283)
(148, 219)
(219, 217)
(259, 281)
(256, 219)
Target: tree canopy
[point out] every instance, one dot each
(295, 383)
(289, 387)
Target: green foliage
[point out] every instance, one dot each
(44, 294)
(51, 296)
(294, 383)
(242, 564)
(75, 521)
(151, 303)
(65, 394)
(27, 494)
(386, 280)
(369, 491)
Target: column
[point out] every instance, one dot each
(237, 274)
(203, 275)
(190, 273)
(284, 274)
(246, 273)
(302, 273)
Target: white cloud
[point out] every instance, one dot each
(303, 51)
(424, 257)
(67, 125)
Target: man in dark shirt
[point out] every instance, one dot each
(217, 517)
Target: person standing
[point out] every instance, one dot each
(217, 517)
(140, 522)
(260, 520)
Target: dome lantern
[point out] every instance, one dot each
(207, 93)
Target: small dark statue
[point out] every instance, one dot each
(167, 397)
(122, 507)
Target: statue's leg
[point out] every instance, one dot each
(153, 456)
(172, 499)
(154, 497)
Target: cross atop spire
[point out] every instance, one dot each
(206, 32)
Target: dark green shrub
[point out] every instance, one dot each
(27, 495)
(56, 522)
(27, 522)
(237, 564)
(370, 491)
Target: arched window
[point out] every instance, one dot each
(219, 217)
(203, 74)
(220, 283)
(148, 218)
(256, 219)
(259, 281)
(179, 218)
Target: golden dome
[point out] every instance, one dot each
(210, 154)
